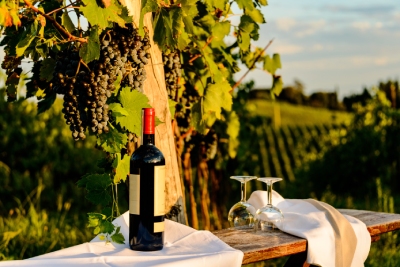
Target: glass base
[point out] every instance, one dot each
(268, 218)
(240, 216)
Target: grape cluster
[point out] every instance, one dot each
(183, 114)
(86, 88)
(172, 71)
(10, 63)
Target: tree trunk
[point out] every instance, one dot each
(155, 90)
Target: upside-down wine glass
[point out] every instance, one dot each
(269, 216)
(241, 214)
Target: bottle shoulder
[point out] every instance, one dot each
(148, 154)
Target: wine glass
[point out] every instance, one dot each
(241, 214)
(269, 216)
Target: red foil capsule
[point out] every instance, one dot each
(148, 120)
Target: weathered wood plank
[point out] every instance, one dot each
(259, 246)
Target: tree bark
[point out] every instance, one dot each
(155, 90)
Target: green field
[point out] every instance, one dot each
(288, 114)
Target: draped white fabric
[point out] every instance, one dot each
(183, 247)
(305, 220)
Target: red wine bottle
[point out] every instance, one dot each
(147, 191)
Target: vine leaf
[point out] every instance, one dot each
(272, 64)
(47, 102)
(25, 42)
(233, 133)
(67, 22)
(255, 15)
(221, 29)
(97, 15)
(91, 50)
(106, 227)
(117, 237)
(189, 12)
(133, 102)
(118, 110)
(122, 167)
(217, 97)
(97, 186)
(47, 69)
(277, 85)
(113, 141)
(147, 6)
(172, 105)
(262, 2)
(245, 4)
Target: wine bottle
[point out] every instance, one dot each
(147, 191)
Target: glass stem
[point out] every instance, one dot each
(269, 190)
(243, 188)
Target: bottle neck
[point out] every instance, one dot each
(148, 139)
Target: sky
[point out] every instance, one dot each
(339, 45)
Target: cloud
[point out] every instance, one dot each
(310, 28)
(366, 25)
(285, 24)
(288, 49)
(365, 10)
(300, 28)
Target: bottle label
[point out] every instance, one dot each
(159, 190)
(134, 194)
(159, 227)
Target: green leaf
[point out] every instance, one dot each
(133, 102)
(47, 102)
(147, 6)
(24, 44)
(233, 133)
(255, 15)
(262, 2)
(118, 110)
(125, 15)
(106, 227)
(172, 105)
(197, 118)
(97, 15)
(277, 85)
(214, 70)
(96, 230)
(217, 97)
(47, 69)
(212, 4)
(97, 186)
(272, 64)
(117, 84)
(93, 219)
(91, 50)
(67, 22)
(118, 238)
(245, 4)
(113, 141)
(122, 167)
(189, 12)
(248, 29)
(221, 29)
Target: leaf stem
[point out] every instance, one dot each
(60, 28)
(252, 65)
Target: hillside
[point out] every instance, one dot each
(282, 113)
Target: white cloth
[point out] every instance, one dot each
(183, 247)
(304, 220)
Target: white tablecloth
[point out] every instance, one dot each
(183, 247)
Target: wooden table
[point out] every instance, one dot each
(274, 244)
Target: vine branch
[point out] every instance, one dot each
(252, 65)
(63, 31)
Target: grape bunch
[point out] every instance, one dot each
(10, 63)
(183, 114)
(87, 88)
(172, 71)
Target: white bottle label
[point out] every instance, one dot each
(134, 194)
(159, 190)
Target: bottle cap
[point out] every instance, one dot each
(148, 120)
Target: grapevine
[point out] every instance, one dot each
(100, 72)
